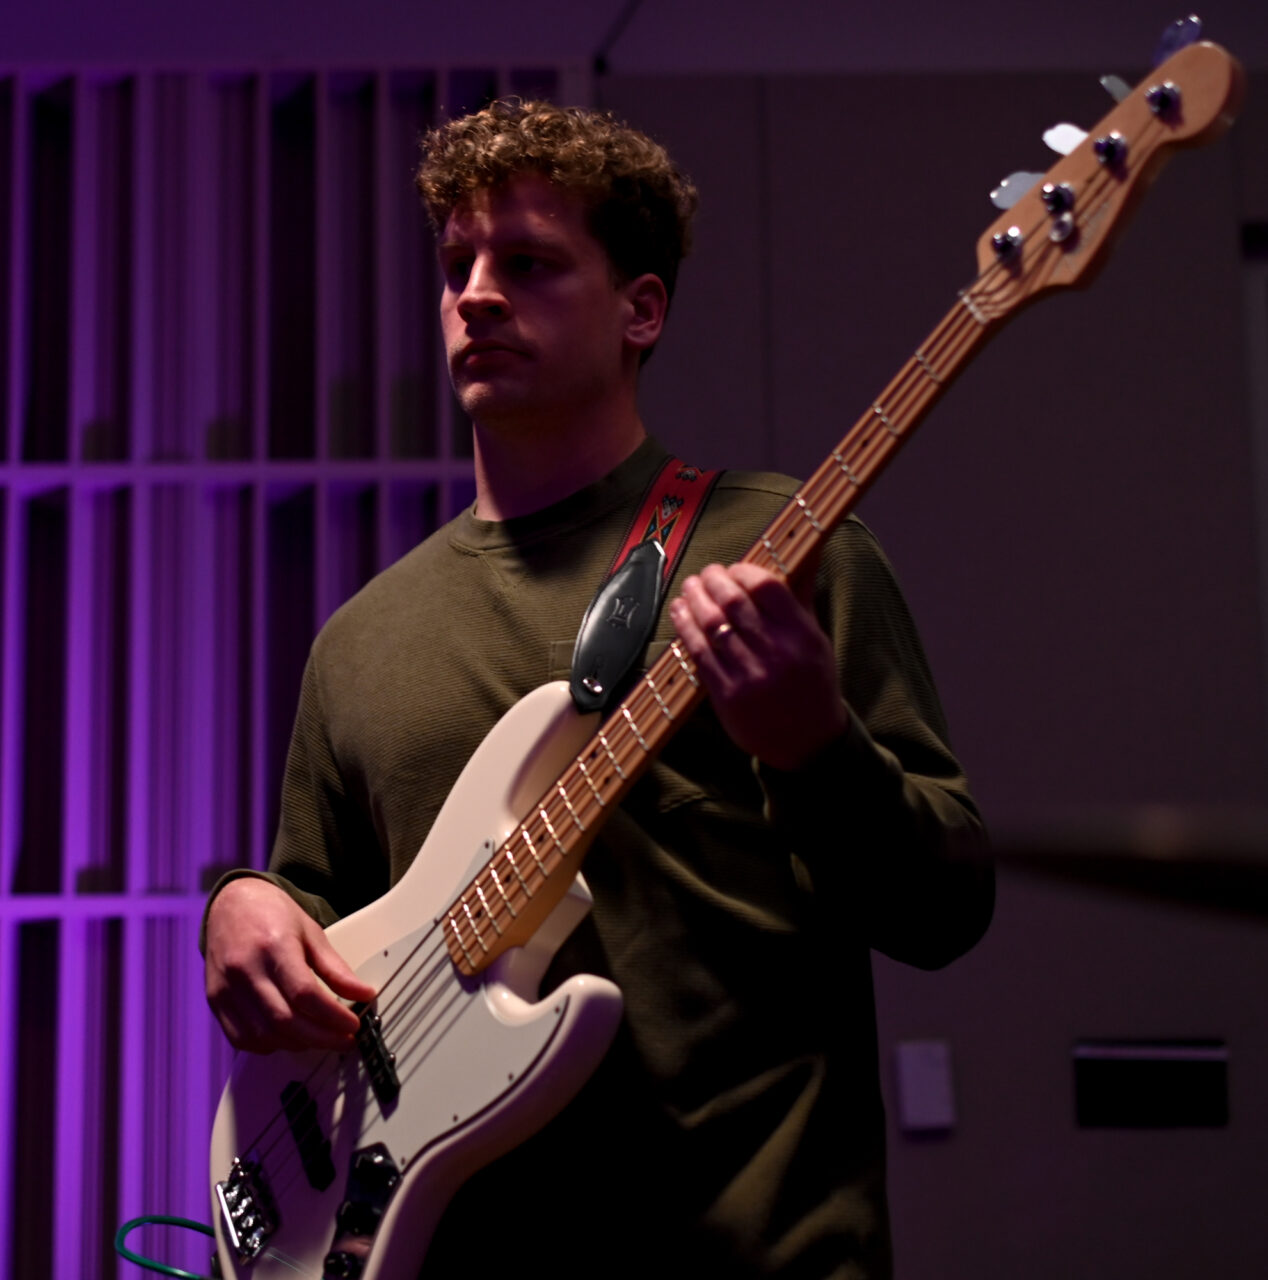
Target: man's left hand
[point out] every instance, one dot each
(765, 661)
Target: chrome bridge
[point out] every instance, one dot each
(247, 1209)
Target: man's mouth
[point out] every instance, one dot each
(484, 347)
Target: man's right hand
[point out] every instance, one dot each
(273, 979)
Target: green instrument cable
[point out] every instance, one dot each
(148, 1263)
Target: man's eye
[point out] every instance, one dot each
(456, 270)
(524, 264)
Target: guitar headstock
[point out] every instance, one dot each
(1061, 231)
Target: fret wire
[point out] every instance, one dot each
(774, 555)
(907, 395)
(846, 468)
(639, 705)
(680, 693)
(475, 929)
(808, 513)
(497, 880)
(585, 773)
(470, 959)
(563, 853)
(623, 749)
(682, 662)
(884, 417)
(615, 763)
(563, 795)
(532, 849)
(510, 857)
(488, 911)
(911, 385)
(828, 477)
(625, 711)
(581, 796)
(651, 684)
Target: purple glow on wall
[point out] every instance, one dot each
(223, 413)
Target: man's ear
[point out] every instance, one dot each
(649, 304)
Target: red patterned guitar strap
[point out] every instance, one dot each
(622, 615)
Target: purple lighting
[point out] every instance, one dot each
(222, 414)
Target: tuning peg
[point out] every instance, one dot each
(1176, 36)
(1116, 87)
(1012, 188)
(1063, 138)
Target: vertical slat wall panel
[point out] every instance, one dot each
(171, 251)
(8, 250)
(222, 409)
(47, 309)
(409, 345)
(231, 289)
(11, 103)
(41, 621)
(31, 1182)
(9, 1021)
(293, 285)
(345, 271)
(102, 294)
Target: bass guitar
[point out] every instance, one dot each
(339, 1165)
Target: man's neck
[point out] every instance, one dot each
(521, 471)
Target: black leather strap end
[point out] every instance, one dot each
(617, 626)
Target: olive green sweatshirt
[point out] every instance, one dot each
(736, 1126)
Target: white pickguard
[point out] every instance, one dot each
(482, 1063)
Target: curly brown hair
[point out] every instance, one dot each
(639, 204)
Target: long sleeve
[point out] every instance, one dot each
(882, 820)
(327, 855)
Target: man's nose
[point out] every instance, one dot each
(483, 293)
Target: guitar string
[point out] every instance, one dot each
(906, 397)
(642, 700)
(866, 449)
(487, 882)
(331, 1065)
(863, 448)
(395, 1009)
(954, 334)
(866, 452)
(957, 330)
(870, 447)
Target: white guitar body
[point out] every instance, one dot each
(482, 1063)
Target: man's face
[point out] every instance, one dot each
(535, 326)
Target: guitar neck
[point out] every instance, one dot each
(508, 900)
(798, 532)
(1056, 236)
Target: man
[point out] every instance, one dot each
(811, 811)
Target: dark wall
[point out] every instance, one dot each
(1075, 524)
(1076, 531)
